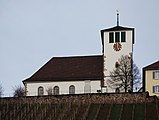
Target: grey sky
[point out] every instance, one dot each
(33, 31)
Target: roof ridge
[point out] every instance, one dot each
(78, 56)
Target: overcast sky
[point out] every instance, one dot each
(34, 31)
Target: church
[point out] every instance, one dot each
(83, 74)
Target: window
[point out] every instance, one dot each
(156, 89)
(111, 37)
(56, 90)
(117, 36)
(117, 65)
(40, 91)
(156, 75)
(123, 37)
(87, 87)
(72, 89)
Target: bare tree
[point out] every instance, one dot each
(49, 91)
(1, 90)
(125, 75)
(18, 91)
(136, 78)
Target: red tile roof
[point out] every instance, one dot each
(153, 66)
(70, 68)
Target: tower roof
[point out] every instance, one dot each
(117, 28)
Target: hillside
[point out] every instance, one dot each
(128, 106)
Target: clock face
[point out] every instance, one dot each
(117, 46)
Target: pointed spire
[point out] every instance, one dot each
(117, 18)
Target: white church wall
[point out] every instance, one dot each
(32, 88)
(111, 56)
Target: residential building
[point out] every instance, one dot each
(151, 79)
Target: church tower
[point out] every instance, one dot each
(116, 41)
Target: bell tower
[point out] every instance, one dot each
(116, 41)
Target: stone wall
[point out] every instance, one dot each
(118, 98)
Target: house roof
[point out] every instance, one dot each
(153, 66)
(70, 68)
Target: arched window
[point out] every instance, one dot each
(40, 91)
(56, 90)
(72, 89)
